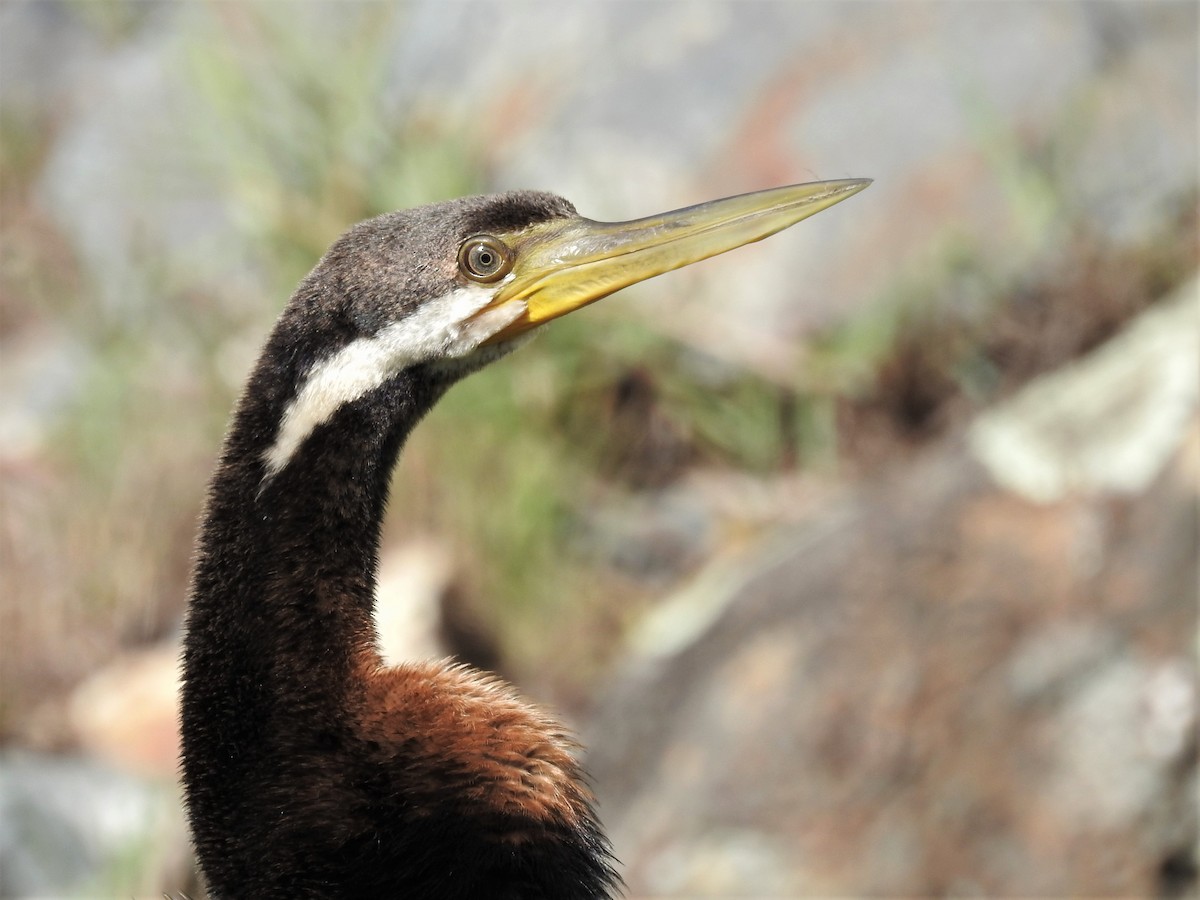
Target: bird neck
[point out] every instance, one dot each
(286, 562)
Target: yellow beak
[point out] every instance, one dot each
(563, 265)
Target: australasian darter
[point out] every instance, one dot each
(311, 769)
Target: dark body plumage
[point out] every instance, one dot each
(310, 770)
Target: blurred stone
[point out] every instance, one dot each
(935, 686)
(128, 712)
(72, 827)
(1108, 752)
(41, 374)
(652, 536)
(1042, 666)
(1107, 423)
(414, 578)
(127, 180)
(45, 53)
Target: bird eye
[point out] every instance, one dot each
(484, 258)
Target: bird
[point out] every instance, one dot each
(310, 768)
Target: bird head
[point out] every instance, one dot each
(477, 273)
(449, 287)
(549, 268)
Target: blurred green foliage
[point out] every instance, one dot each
(306, 144)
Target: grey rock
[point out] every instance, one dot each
(935, 686)
(66, 823)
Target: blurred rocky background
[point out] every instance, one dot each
(865, 558)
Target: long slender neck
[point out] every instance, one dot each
(280, 619)
(290, 557)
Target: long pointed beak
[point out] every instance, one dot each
(566, 264)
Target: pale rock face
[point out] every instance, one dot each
(1108, 423)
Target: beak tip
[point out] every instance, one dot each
(847, 187)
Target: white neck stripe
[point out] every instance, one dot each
(438, 329)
